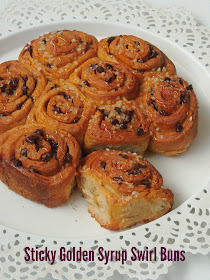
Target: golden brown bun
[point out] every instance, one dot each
(20, 86)
(62, 106)
(59, 53)
(122, 126)
(105, 82)
(38, 163)
(171, 106)
(122, 189)
(136, 53)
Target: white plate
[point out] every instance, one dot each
(184, 174)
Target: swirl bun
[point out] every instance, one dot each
(59, 53)
(20, 86)
(122, 126)
(136, 53)
(38, 163)
(122, 189)
(63, 106)
(105, 82)
(171, 106)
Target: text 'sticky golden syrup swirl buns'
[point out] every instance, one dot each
(59, 53)
(122, 126)
(136, 53)
(20, 86)
(171, 106)
(105, 82)
(122, 189)
(38, 163)
(63, 106)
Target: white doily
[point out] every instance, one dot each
(188, 227)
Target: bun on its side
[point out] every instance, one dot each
(122, 189)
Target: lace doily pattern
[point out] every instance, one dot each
(186, 228)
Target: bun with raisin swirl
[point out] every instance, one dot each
(171, 106)
(62, 106)
(122, 126)
(20, 86)
(122, 189)
(38, 163)
(59, 53)
(136, 53)
(105, 82)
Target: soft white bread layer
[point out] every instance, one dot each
(117, 212)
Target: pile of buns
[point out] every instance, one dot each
(75, 111)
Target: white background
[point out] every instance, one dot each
(195, 266)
